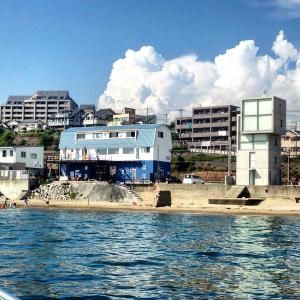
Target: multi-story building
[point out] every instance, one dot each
(40, 106)
(290, 142)
(261, 124)
(209, 127)
(133, 152)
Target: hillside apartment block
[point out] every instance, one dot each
(209, 127)
(40, 106)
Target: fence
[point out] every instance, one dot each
(14, 174)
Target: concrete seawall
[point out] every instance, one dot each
(197, 195)
(183, 195)
(14, 189)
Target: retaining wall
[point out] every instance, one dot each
(14, 189)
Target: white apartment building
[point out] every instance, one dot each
(40, 106)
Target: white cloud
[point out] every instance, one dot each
(280, 9)
(144, 78)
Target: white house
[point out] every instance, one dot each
(32, 157)
(139, 152)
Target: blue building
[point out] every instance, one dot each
(124, 153)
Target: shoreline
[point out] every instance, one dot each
(215, 210)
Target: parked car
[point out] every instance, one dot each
(173, 179)
(192, 179)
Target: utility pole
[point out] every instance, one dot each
(64, 116)
(166, 119)
(180, 110)
(288, 167)
(296, 137)
(229, 162)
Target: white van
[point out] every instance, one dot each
(192, 179)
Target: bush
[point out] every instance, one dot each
(7, 138)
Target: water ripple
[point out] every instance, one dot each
(47, 254)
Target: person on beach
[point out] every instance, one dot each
(25, 202)
(47, 203)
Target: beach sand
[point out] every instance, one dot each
(267, 207)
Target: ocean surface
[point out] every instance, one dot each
(61, 254)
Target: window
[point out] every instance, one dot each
(275, 142)
(97, 135)
(146, 150)
(3, 153)
(281, 123)
(257, 115)
(160, 134)
(33, 155)
(80, 136)
(275, 160)
(252, 160)
(11, 152)
(23, 154)
(130, 134)
(113, 134)
(101, 151)
(253, 141)
(113, 150)
(128, 150)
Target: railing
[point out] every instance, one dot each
(14, 174)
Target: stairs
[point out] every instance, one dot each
(237, 195)
(237, 191)
(132, 195)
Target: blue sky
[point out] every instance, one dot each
(73, 44)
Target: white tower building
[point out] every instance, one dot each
(261, 123)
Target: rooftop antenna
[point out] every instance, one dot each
(264, 94)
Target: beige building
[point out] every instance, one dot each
(290, 142)
(40, 106)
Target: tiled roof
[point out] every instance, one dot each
(12, 98)
(145, 137)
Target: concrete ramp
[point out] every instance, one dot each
(236, 201)
(237, 191)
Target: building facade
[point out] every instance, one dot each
(211, 127)
(127, 153)
(40, 106)
(98, 118)
(290, 143)
(22, 157)
(260, 125)
(129, 116)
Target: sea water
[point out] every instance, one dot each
(61, 254)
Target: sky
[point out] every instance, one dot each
(164, 55)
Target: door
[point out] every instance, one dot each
(252, 177)
(251, 160)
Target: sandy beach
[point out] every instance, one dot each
(267, 207)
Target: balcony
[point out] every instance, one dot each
(220, 124)
(201, 134)
(186, 135)
(183, 126)
(220, 115)
(201, 125)
(201, 116)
